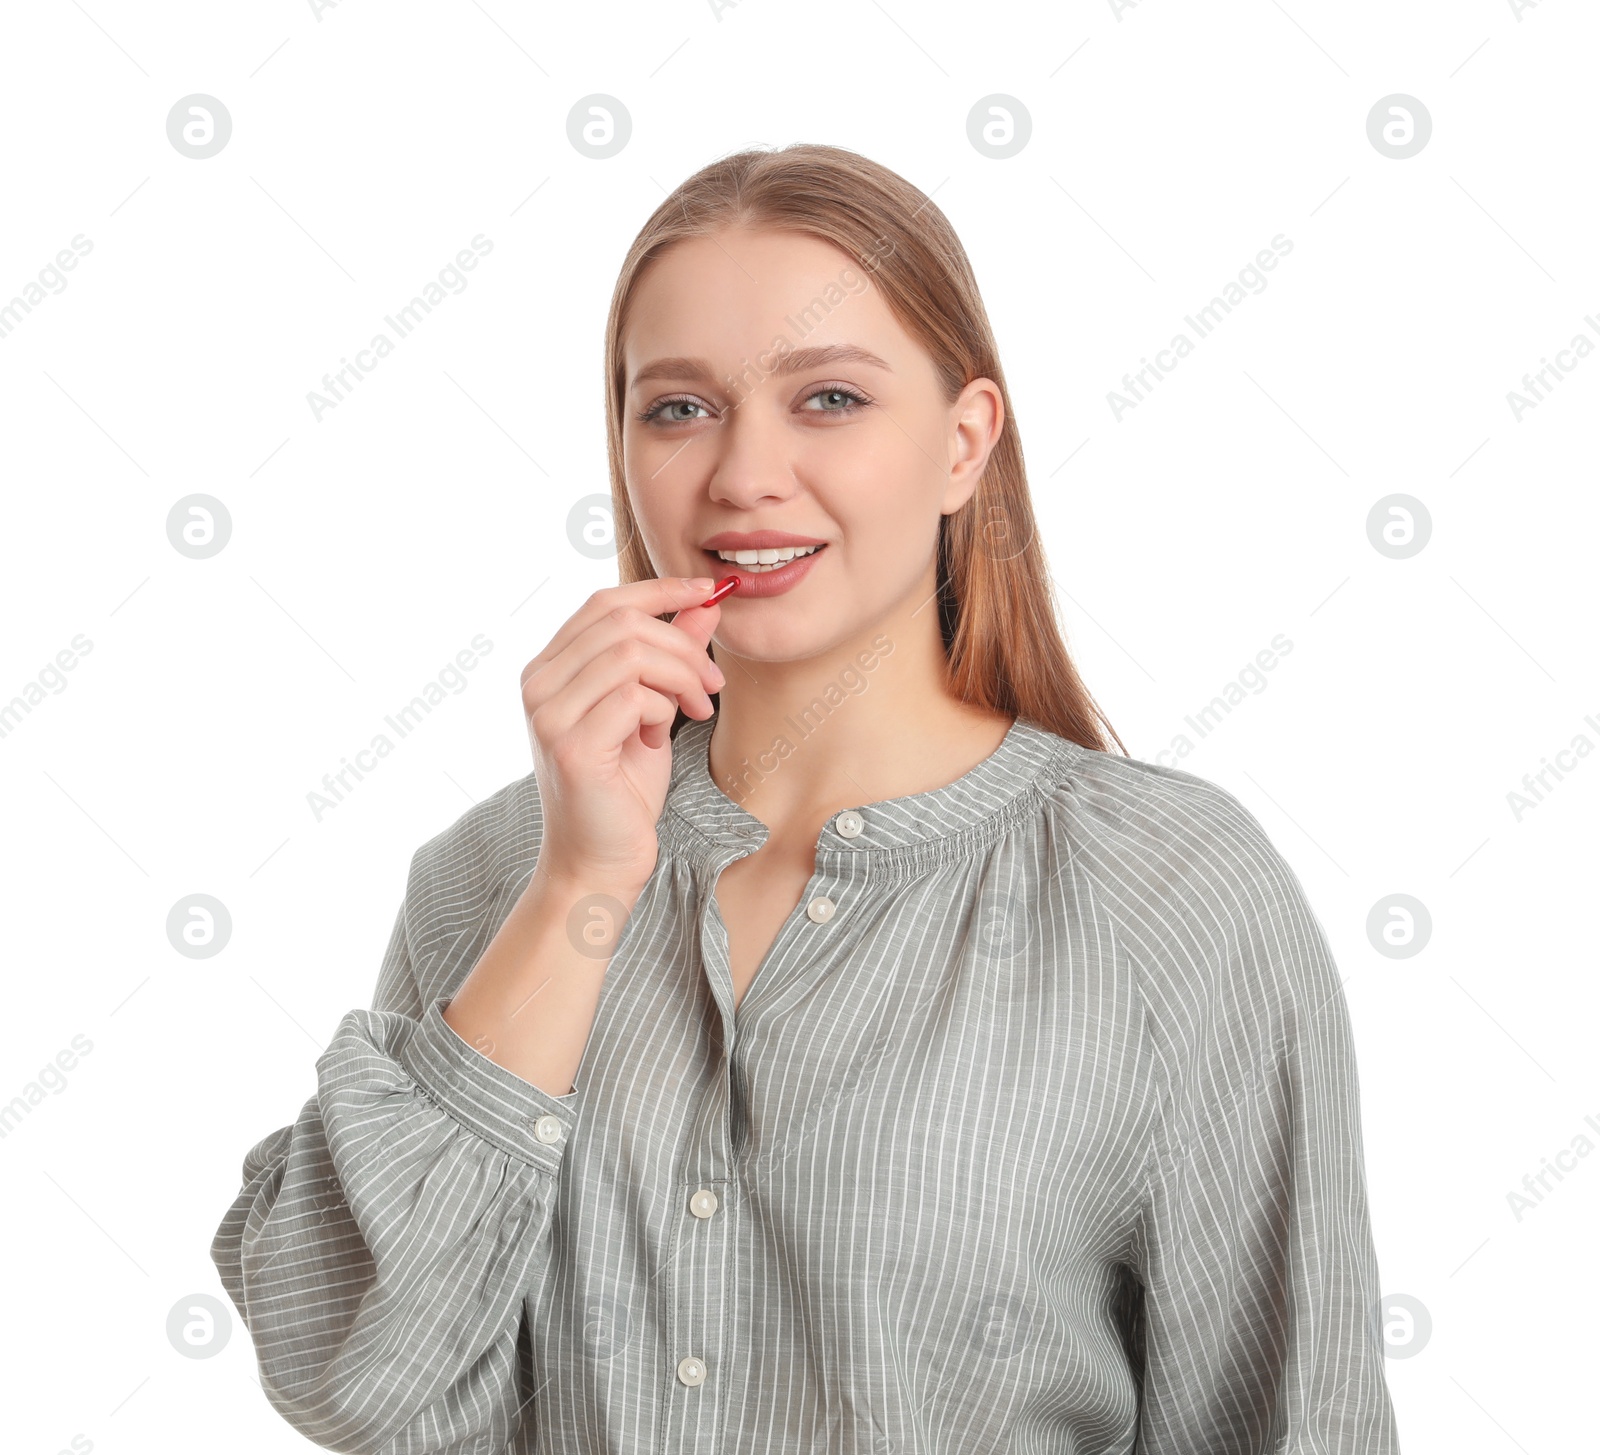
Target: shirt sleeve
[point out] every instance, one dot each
(382, 1245)
(1258, 1329)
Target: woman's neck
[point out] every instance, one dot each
(794, 758)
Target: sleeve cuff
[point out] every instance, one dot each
(495, 1104)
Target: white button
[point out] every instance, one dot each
(703, 1203)
(820, 909)
(548, 1129)
(692, 1370)
(849, 824)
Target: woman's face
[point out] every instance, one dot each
(751, 427)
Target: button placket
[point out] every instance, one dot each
(848, 825)
(703, 1282)
(706, 1265)
(700, 1272)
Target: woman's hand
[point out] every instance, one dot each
(600, 700)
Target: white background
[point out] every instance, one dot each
(1169, 145)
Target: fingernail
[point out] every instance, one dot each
(699, 583)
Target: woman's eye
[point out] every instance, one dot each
(838, 401)
(667, 409)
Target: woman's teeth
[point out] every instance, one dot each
(767, 560)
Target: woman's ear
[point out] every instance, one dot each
(976, 418)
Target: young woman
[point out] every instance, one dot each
(831, 1045)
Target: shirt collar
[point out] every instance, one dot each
(704, 824)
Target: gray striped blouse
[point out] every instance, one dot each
(1038, 1130)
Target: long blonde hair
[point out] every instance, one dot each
(996, 602)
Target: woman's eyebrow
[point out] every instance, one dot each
(794, 362)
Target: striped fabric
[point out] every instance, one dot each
(1046, 1140)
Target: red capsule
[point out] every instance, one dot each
(724, 586)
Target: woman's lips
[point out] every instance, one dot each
(767, 583)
